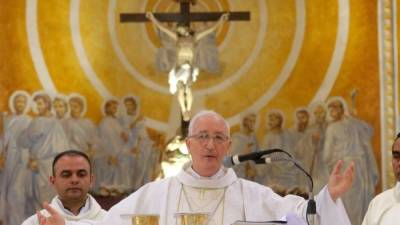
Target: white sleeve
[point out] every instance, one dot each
(368, 218)
(32, 220)
(330, 212)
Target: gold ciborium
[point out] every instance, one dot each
(192, 218)
(142, 219)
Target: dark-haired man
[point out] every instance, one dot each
(72, 178)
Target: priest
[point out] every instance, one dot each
(72, 179)
(384, 208)
(205, 186)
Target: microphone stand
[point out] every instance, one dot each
(311, 212)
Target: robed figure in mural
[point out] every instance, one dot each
(300, 135)
(299, 130)
(309, 150)
(143, 155)
(280, 174)
(308, 143)
(183, 59)
(81, 132)
(60, 106)
(113, 156)
(349, 138)
(130, 119)
(44, 137)
(12, 186)
(244, 142)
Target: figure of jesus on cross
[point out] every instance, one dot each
(181, 57)
(184, 71)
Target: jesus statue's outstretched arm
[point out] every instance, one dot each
(211, 29)
(163, 28)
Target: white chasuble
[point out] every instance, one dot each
(226, 197)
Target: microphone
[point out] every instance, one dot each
(230, 161)
(279, 158)
(311, 206)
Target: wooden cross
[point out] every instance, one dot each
(185, 17)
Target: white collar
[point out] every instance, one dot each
(82, 211)
(221, 172)
(223, 178)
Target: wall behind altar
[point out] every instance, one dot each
(290, 54)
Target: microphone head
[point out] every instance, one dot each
(228, 162)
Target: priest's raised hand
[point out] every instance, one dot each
(338, 183)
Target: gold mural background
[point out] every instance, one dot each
(291, 53)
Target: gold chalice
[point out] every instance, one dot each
(142, 219)
(192, 218)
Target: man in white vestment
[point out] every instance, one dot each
(72, 178)
(204, 185)
(349, 139)
(244, 142)
(44, 138)
(384, 208)
(12, 186)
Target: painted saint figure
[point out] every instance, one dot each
(60, 106)
(139, 143)
(113, 154)
(130, 120)
(81, 132)
(349, 139)
(44, 137)
(279, 174)
(244, 142)
(12, 186)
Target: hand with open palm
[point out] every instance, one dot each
(340, 183)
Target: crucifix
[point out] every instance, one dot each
(184, 66)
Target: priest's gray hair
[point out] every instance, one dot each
(204, 113)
